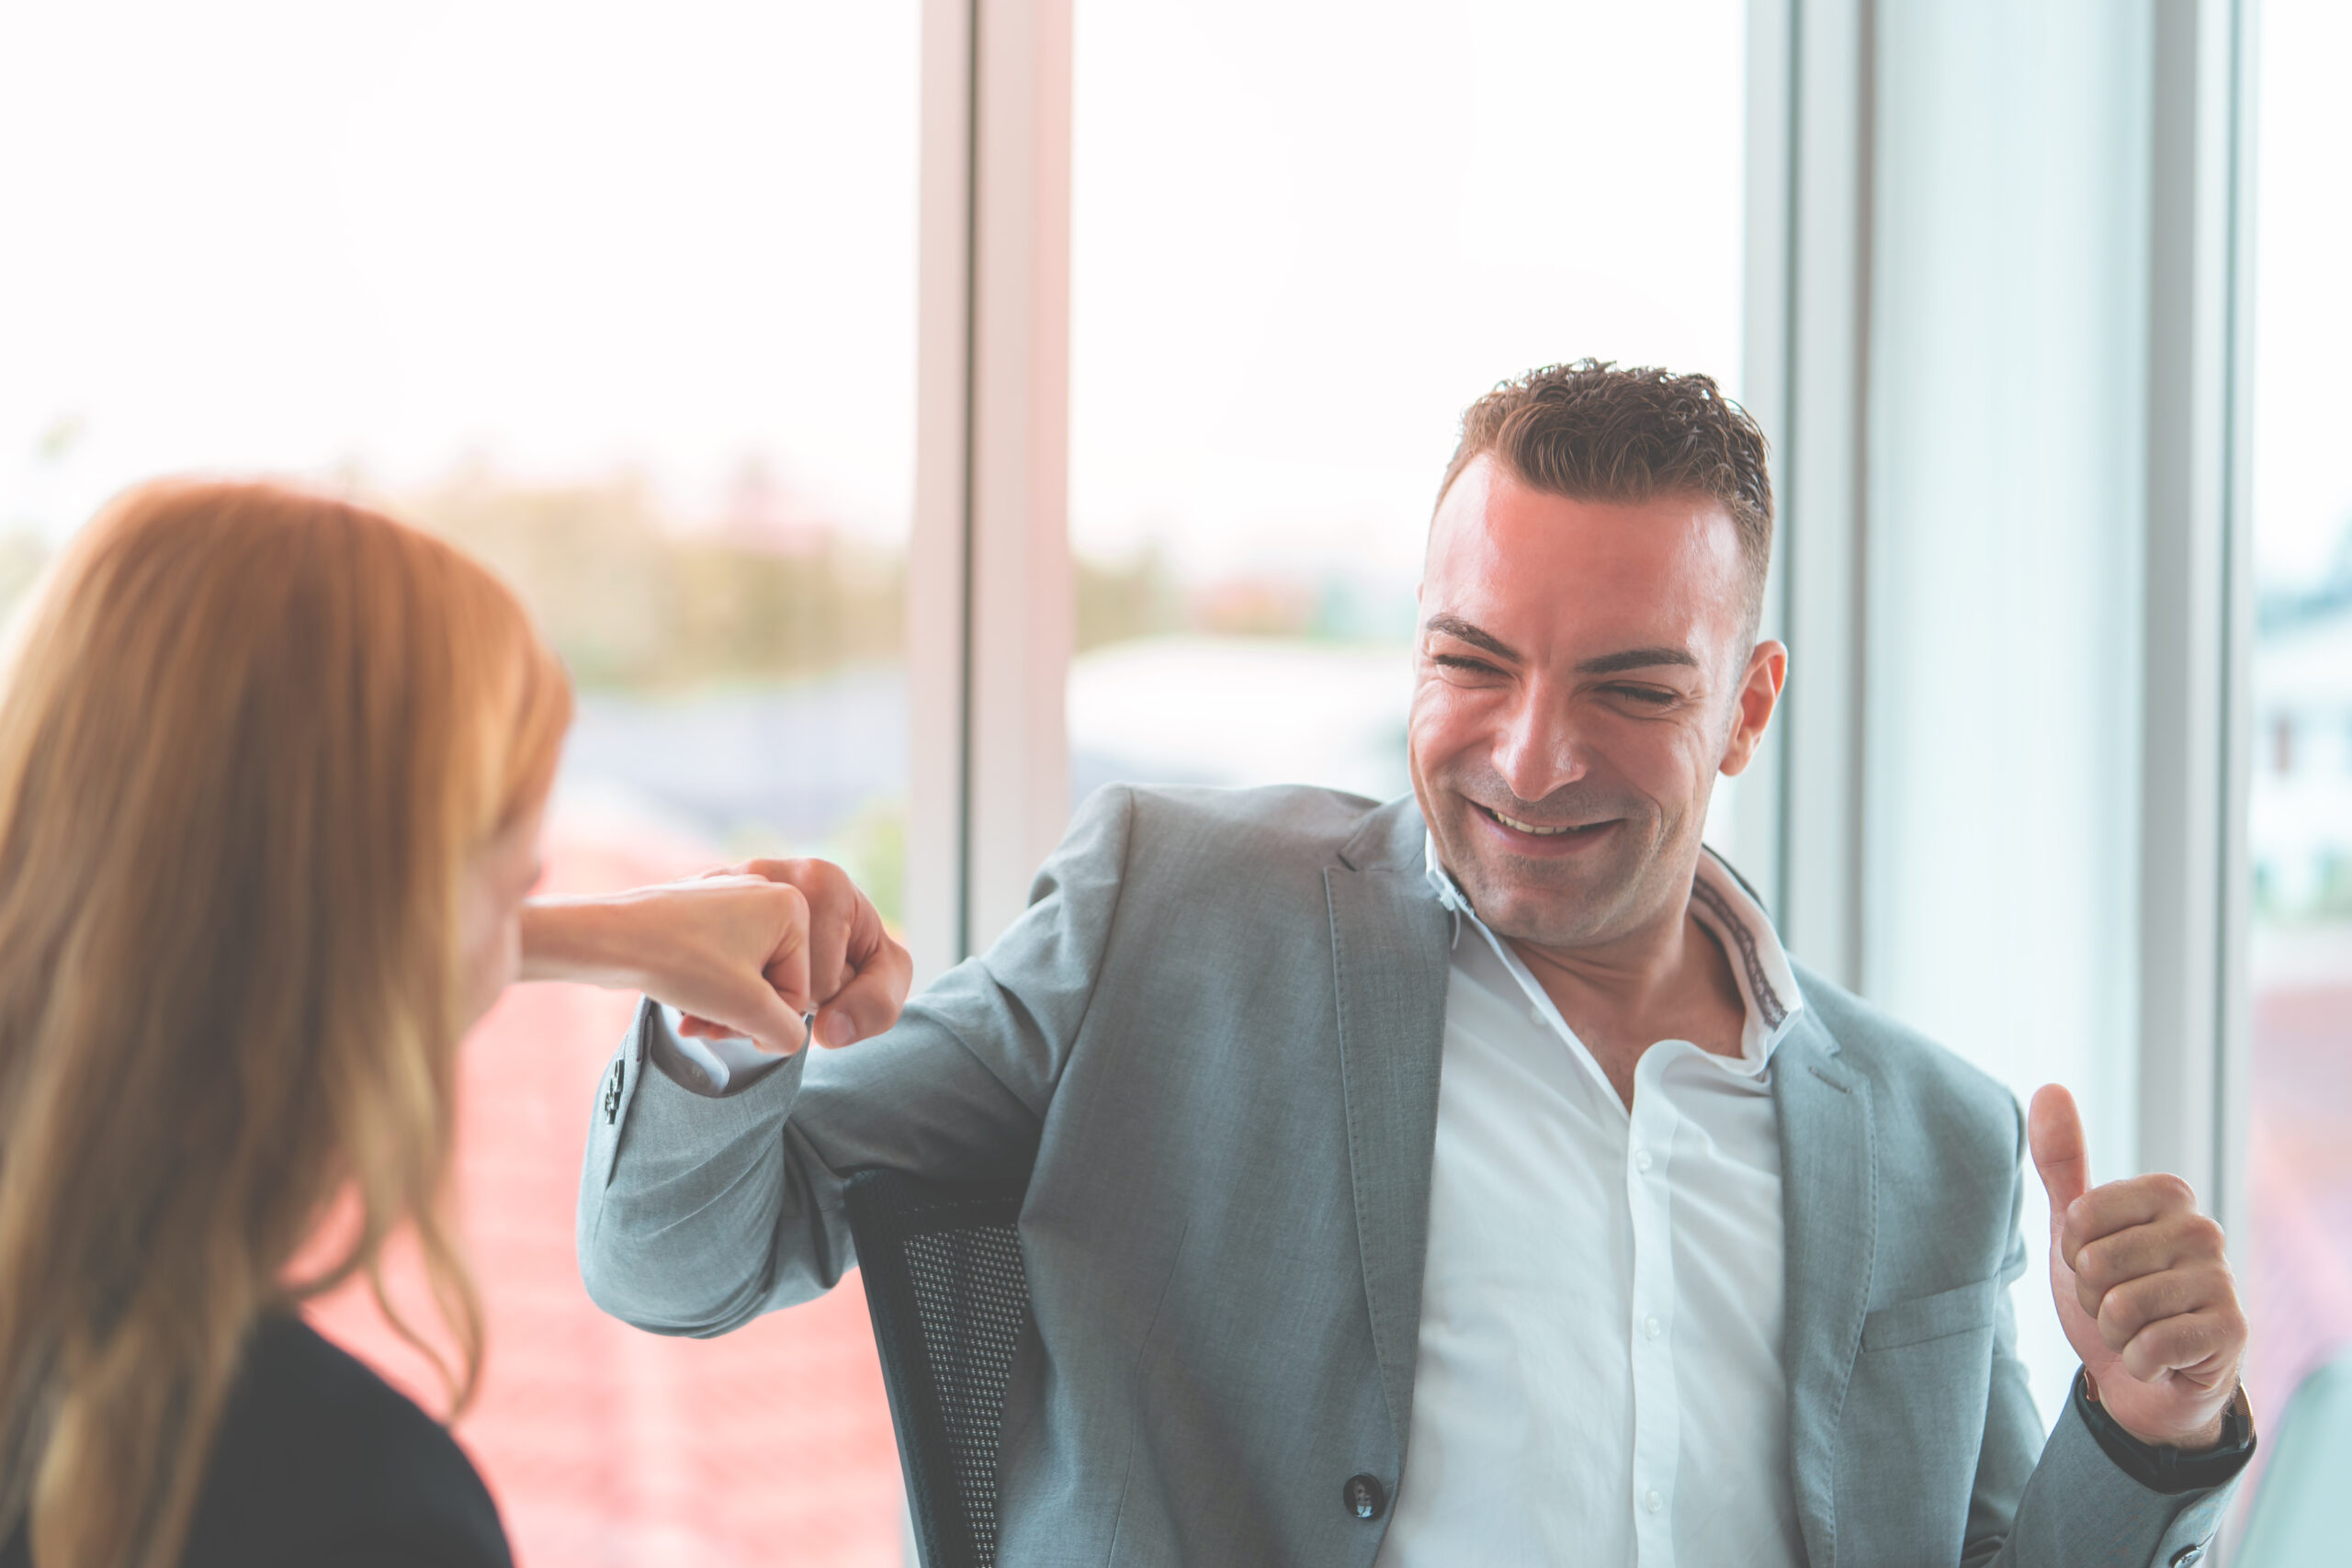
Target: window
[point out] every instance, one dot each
(624, 300)
(2299, 807)
(1305, 236)
(2003, 642)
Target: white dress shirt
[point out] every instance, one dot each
(1599, 1375)
(724, 1063)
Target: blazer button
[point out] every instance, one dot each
(2189, 1556)
(1364, 1497)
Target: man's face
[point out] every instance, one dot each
(1583, 674)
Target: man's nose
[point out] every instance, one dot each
(1537, 751)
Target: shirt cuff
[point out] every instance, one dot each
(724, 1066)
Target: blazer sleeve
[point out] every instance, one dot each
(2067, 1506)
(698, 1212)
(2080, 1511)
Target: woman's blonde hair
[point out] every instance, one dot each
(250, 739)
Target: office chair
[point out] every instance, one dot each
(950, 1301)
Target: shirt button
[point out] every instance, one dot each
(1642, 1161)
(1535, 1011)
(1364, 1496)
(1652, 1501)
(1650, 1327)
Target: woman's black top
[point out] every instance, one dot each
(321, 1463)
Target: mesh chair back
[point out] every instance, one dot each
(950, 1301)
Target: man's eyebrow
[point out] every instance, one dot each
(1637, 659)
(1461, 630)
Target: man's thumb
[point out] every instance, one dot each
(2054, 1130)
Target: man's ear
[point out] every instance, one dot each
(1753, 703)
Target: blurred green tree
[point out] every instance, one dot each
(633, 604)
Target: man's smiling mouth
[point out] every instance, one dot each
(1536, 830)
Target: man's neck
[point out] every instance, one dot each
(1665, 980)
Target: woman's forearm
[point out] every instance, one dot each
(592, 942)
(732, 951)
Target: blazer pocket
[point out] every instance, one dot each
(1946, 1313)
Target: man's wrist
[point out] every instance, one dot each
(2203, 1440)
(2169, 1468)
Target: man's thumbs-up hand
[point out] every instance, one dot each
(2144, 1289)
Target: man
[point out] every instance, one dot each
(1473, 1178)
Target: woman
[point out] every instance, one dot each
(271, 774)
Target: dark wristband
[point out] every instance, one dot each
(2160, 1467)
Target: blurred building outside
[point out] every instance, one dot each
(2300, 844)
(2300, 825)
(2295, 1264)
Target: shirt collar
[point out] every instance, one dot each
(1759, 965)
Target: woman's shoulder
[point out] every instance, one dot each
(316, 1452)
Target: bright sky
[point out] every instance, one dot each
(568, 237)
(1305, 236)
(2302, 401)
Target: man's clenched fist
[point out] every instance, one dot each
(2143, 1287)
(743, 952)
(857, 973)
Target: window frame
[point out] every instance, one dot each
(991, 546)
(1811, 129)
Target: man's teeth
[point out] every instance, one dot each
(1514, 823)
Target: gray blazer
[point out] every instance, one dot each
(1212, 1046)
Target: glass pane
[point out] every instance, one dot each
(2300, 828)
(2003, 641)
(622, 298)
(1305, 236)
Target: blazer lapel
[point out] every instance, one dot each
(1388, 950)
(1829, 1196)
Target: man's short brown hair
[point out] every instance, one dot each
(1591, 431)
